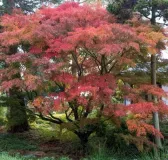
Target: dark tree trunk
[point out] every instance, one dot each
(84, 137)
(16, 116)
(17, 119)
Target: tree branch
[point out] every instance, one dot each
(67, 116)
(48, 119)
(78, 66)
(55, 118)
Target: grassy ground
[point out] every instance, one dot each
(26, 147)
(99, 156)
(45, 142)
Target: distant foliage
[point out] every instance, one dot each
(124, 8)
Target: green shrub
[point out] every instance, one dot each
(113, 138)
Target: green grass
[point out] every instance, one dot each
(48, 131)
(6, 156)
(13, 142)
(99, 156)
(113, 156)
(10, 142)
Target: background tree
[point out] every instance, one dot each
(152, 10)
(28, 6)
(17, 117)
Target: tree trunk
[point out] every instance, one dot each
(83, 136)
(17, 119)
(16, 116)
(155, 114)
(153, 82)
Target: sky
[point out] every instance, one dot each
(165, 53)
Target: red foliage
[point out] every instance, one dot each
(144, 108)
(141, 128)
(79, 50)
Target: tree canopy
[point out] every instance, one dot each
(73, 64)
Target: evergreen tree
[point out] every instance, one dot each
(28, 6)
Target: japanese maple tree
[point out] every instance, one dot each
(72, 57)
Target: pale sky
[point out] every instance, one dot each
(165, 53)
